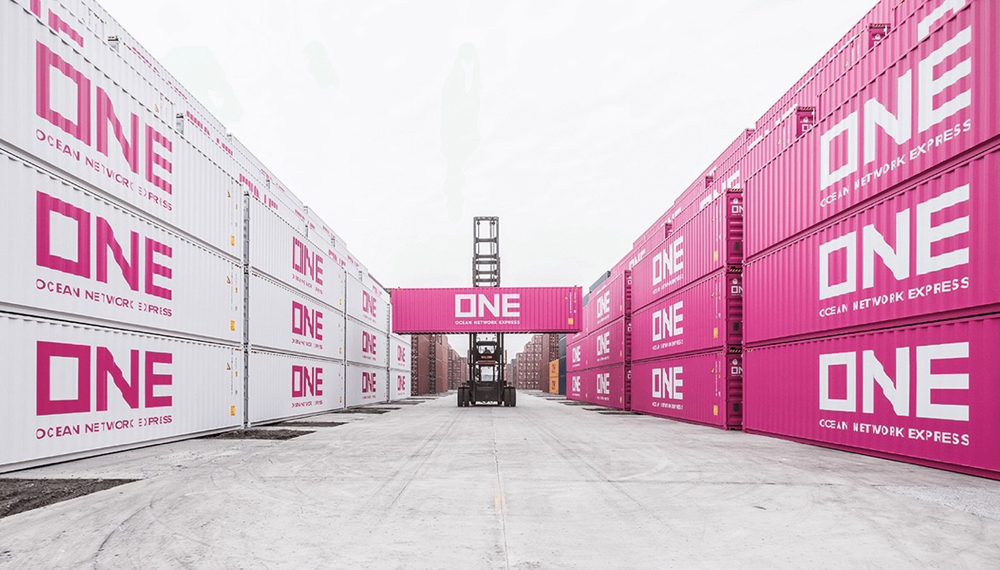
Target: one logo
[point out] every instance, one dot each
(307, 381)
(140, 259)
(668, 261)
(932, 246)
(307, 263)
(667, 322)
(141, 378)
(369, 382)
(667, 383)
(916, 370)
(506, 305)
(307, 322)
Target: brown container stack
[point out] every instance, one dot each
(530, 370)
(430, 370)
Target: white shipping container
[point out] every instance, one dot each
(93, 18)
(72, 390)
(399, 352)
(282, 385)
(369, 304)
(284, 254)
(399, 385)
(319, 231)
(285, 320)
(257, 181)
(365, 385)
(365, 345)
(61, 107)
(73, 254)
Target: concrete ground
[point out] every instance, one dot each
(544, 485)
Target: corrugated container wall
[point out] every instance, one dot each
(927, 393)
(74, 254)
(84, 389)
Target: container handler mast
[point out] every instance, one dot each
(487, 357)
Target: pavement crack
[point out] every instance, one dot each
(500, 500)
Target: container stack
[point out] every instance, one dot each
(687, 329)
(872, 295)
(121, 311)
(296, 336)
(400, 361)
(167, 283)
(600, 357)
(367, 342)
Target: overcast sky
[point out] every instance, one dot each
(577, 123)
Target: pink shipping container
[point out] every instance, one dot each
(487, 309)
(927, 251)
(367, 303)
(707, 315)
(284, 254)
(703, 388)
(640, 251)
(281, 385)
(711, 241)
(366, 385)
(284, 320)
(400, 355)
(400, 383)
(927, 394)
(937, 102)
(72, 254)
(72, 390)
(608, 302)
(608, 345)
(61, 108)
(605, 386)
(574, 385)
(577, 355)
(365, 345)
(726, 173)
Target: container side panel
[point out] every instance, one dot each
(287, 385)
(75, 389)
(927, 392)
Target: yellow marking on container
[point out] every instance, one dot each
(228, 366)
(715, 255)
(715, 410)
(232, 240)
(232, 411)
(715, 332)
(232, 325)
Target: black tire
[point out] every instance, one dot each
(513, 397)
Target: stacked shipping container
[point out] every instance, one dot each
(871, 301)
(169, 284)
(600, 356)
(888, 208)
(687, 328)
